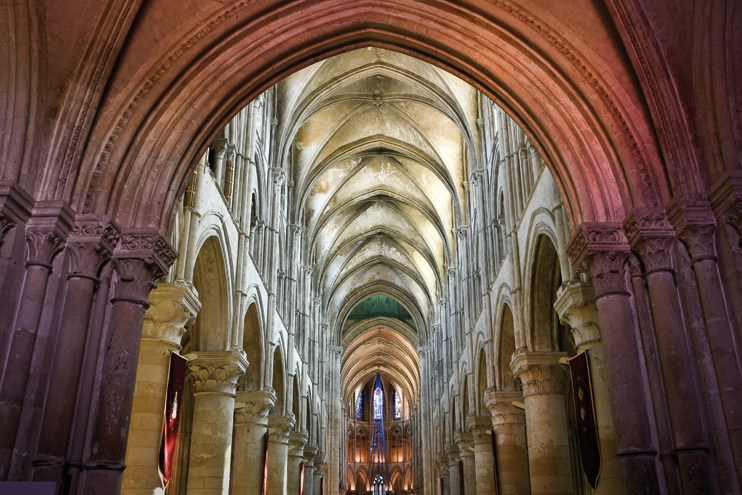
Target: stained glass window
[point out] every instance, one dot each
(378, 403)
(359, 406)
(397, 405)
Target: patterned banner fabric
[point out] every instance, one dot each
(173, 402)
(587, 430)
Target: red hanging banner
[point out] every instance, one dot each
(301, 478)
(173, 401)
(265, 465)
(587, 430)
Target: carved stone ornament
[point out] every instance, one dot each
(576, 307)
(46, 231)
(480, 426)
(540, 372)
(92, 240)
(172, 307)
(695, 224)
(297, 441)
(280, 427)
(601, 250)
(465, 441)
(452, 451)
(253, 407)
(141, 257)
(218, 371)
(16, 206)
(310, 452)
(652, 238)
(500, 404)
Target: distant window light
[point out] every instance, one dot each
(378, 403)
(397, 405)
(359, 406)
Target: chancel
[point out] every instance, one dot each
(371, 247)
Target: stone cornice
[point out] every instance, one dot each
(280, 427)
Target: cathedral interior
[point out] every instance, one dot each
(371, 247)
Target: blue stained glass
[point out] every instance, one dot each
(359, 406)
(397, 405)
(378, 403)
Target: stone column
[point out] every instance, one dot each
(319, 466)
(445, 473)
(696, 228)
(602, 250)
(91, 242)
(297, 441)
(172, 308)
(45, 235)
(216, 374)
(279, 428)
(509, 424)
(141, 257)
(453, 469)
(652, 238)
(465, 441)
(544, 379)
(484, 459)
(310, 451)
(250, 427)
(576, 307)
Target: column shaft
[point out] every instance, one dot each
(251, 426)
(544, 380)
(509, 425)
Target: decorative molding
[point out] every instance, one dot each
(172, 308)
(540, 372)
(650, 235)
(47, 231)
(500, 404)
(280, 427)
(254, 407)
(92, 240)
(693, 220)
(576, 307)
(601, 250)
(218, 371)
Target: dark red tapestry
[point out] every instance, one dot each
(173, 402)
(587, 430)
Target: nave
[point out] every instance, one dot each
(370, 247)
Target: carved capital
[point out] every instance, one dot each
(465, 441)
(480, 426)
(16, 206)
(694, 222)
(47, 231)
(601, 249)
(280, 427)
(297, 441)
(652, 238)
(310, 452)
(92, 240)
(141, 257)
(540, 372)
(172, 307)
(452, 452)
(147, 244)
(576, 307)
(218, 372)
(253, 407)
(500, 404)
(220, 145)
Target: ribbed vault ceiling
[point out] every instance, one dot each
(381, 145)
